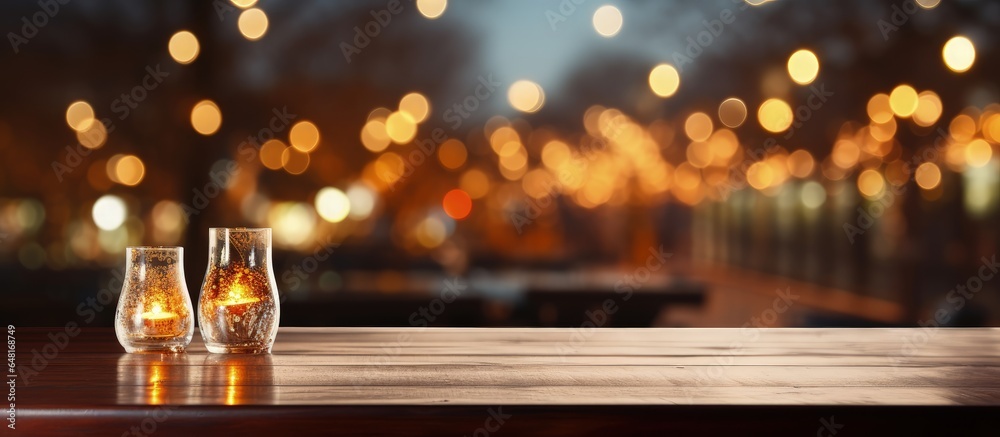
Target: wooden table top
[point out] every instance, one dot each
(573, 381)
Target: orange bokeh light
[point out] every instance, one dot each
(457, 204)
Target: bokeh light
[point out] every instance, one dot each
(293, 222)
(664, 80)
(92, 137)
(871, 183)
(389, 167)
(332, 204)
(977, 153)
(362, 200)
(431, 232)
(129, 170)
(432, 8)
(732, 112)
(526, 96)
(457, 204)
(699, 154)
(109, 212)
(760, 175)
(959, 54)
(927, 176)
(803, 67)
(111, 167)
(502, 136)
(374, 136)
(400, 127)
(452, 154)
(883, 132)
(416, 105)
(475, 183)
(903, 100)
(79, 115)
(607, 21)
(800, 163)
(929, 109)
(812, 195)
(183, 47)
(845, 153)
(698, 126)
(206, 118)
(991, 128)
(879, 109)
(962, 128)
(775, 115)
(723, 144)
(294, 161)
(252, 24)
(168, 221)
(554, 153)
(271, 152)
(304, 136)
(538, 183)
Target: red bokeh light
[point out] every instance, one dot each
(457, 204)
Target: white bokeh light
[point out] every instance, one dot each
(109, 212)
(332, 204)
(362, 201)
(608, 21)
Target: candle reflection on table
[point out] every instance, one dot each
(165, 378)
(154, 379)
(233, 379)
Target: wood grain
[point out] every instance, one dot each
(552, 381)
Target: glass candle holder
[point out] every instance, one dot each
(154, 310)
(238, 309)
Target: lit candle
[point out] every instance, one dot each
(157, 322)
(237, 302)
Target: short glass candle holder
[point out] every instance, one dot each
(238, 310)
(154, 311)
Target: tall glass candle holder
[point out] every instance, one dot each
(154, 310)
(238, 309)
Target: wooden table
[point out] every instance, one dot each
(480, 382)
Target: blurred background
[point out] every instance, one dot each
(512, 163)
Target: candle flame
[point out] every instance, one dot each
(238, 294)
(156, 312)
